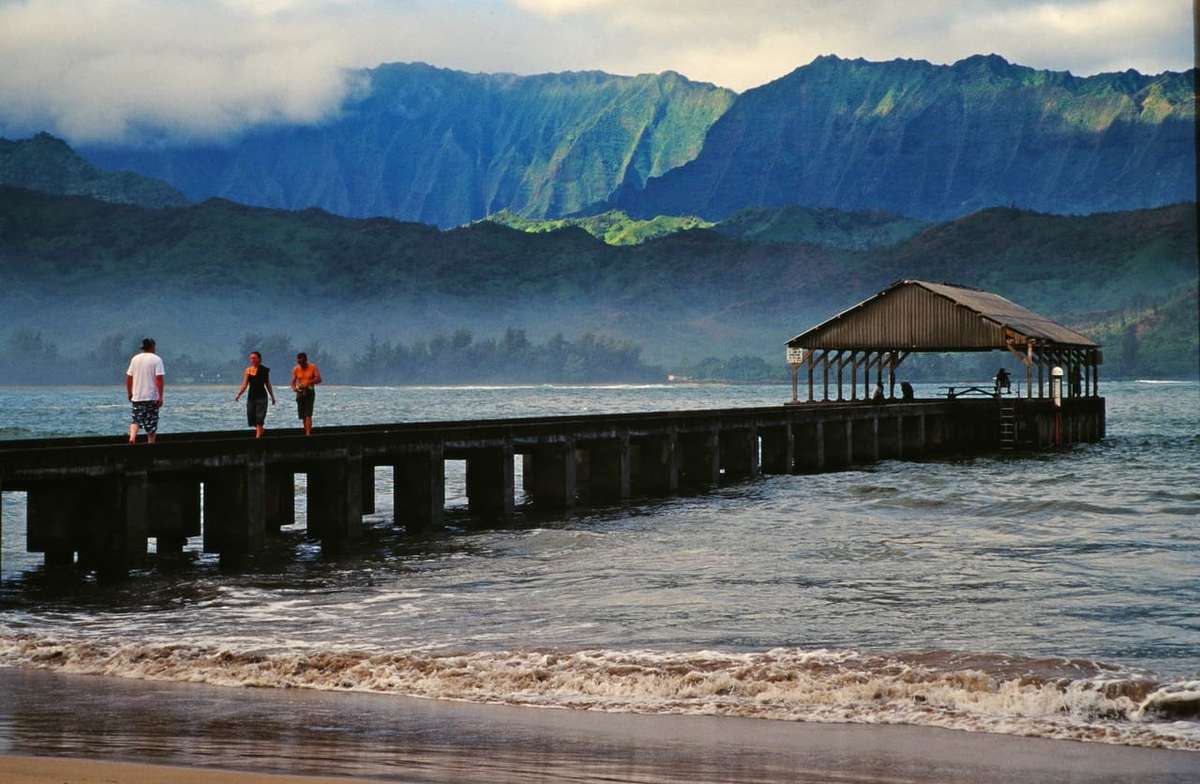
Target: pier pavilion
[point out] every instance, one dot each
(912, 316)
(93, 503)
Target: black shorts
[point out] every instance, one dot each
(256, 411)
(304, 403)
(145, 415)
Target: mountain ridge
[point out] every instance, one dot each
(931, 141)
(46, 163)
(909, 137)
(446, 147)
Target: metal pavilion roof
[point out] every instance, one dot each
(917, 315)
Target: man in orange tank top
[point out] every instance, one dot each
(305, 377)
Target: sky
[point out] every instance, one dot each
(123, 71)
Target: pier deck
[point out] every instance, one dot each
(99, 499)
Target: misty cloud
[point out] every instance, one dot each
(135, 70)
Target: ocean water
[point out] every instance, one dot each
(1053, 595)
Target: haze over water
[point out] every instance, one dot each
(1051, 594)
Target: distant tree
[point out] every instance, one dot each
(1129, 349)
(30, 345)
(461, 340)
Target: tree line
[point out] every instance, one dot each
(28, 356)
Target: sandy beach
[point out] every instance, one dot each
(207, 731)
(56, 770)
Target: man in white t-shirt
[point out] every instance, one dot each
(144, 388)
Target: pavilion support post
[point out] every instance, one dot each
(1096, 377)
(892, 376)
(611, 471)
(867, 363)
(854, 375)
(1028, 370)
(419, 489)
(658, 464)
(490, 490)
(778, 449)
(825, 370)
(841, 364)
(739, 453)
(812, 363)
(795, 383)
(1041, 366)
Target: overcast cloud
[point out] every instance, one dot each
(130, 70)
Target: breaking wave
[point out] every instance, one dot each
(1051, 698)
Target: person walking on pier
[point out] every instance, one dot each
(305, 377)
(144, 388)
(258, 379)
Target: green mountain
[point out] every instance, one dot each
(613, 227)
(48, 164)
(221, 270)
(446, 147)
(907, 137)
(826, 227)
(936, 142)
(1153, 341)
(820, 226)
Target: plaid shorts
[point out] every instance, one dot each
(145, 415)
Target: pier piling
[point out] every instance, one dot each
(280, 498)
(700, 457)
(335, 488)
(551, 476)
(658, 464)
(610, 476)
(490, 482)
(419, 487)
(173, 514)
(778, 449)
(739, 453)
(235, 504)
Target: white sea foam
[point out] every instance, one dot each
(1045, 698)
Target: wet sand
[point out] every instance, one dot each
(57, 770)
(305, 733)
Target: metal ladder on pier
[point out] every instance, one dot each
(1008, 423)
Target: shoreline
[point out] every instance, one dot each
(220, 735)
(19, 769)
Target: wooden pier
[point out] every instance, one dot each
(95, 502)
